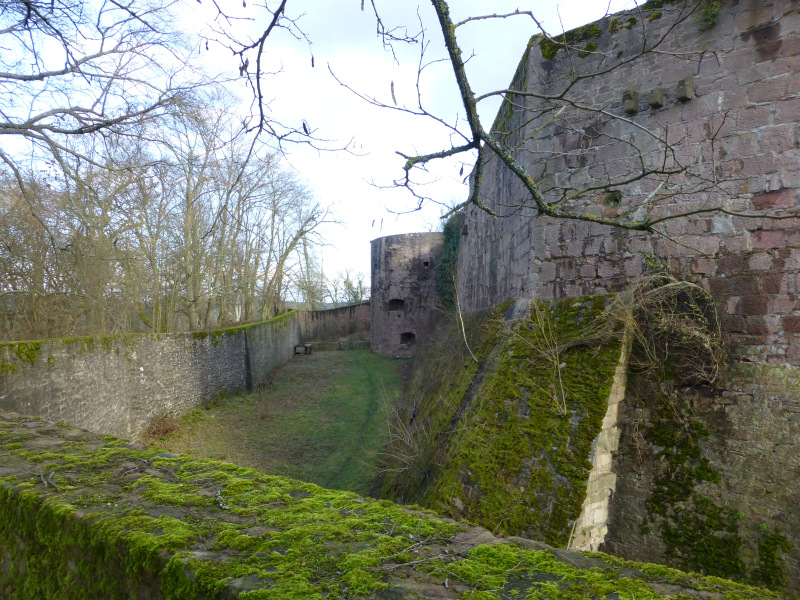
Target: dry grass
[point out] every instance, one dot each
(160, 426)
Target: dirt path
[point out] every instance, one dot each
(321, 419)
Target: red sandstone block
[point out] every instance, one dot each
(750, 19)
(756, 325)
(760, 261)
(772, 283)
(719, 286)
(730, 264)
(733, 323)
(752, 117)
(785, 64)
(776, 199)
(778, 138)
(788, 111)
(783, 304)
(755, 305)
(791, 324)
(768, 90)
(745, 285)
(763, 240)
(705, 266)
(759, 164)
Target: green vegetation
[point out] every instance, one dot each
(699, 535)
(569, 39)
(321, 419)
(506, 444)
(89, 517)
(769, 571)
(446, 274)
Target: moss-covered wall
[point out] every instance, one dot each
(709, 480)
(505, 441)
(116, 384)
(97, 518)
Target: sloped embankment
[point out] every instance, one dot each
(504, 438)
(91, 517)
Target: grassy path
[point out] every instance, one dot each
(321, 420)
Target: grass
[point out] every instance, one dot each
(321, 419)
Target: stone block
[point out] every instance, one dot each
(788, 111)
(760, 261)
(783, 304)
(630, 101)
(755, 305)
(791, 324)
(656, 98)
(753, 117)
(763, 240)
(684, 90)
(745, 285)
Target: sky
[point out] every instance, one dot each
(343, 41)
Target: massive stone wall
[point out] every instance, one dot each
(116, 384)
(335, 324)
(734, 138)
(404, 297)
(705, 479)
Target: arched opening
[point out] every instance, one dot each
(407, 338)
(397, 304)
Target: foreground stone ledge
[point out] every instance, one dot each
(85, 516)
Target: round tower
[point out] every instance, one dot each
(404, 291)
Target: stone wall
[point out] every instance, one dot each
(404, 298)
(90, 517)
(335, 324)
(116, 384)
(734, 138)
(705, 479)
(732, 469)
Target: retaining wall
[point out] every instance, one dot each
(116, 384)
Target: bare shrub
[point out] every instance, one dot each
(160, 426)
(672, 324)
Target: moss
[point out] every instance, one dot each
(588, 49)
(7, 368)
(698, 534)
(709, 13)
(655, 16)
(507, 446)
(550, 46)
(445, 275)
(769, 570)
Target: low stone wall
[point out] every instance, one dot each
(116, 384)
(334, 324)
(91, 517)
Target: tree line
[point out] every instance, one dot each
(132, 197)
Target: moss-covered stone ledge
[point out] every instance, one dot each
(85, 516)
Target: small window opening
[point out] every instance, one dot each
(407, 338)
(425, 263)
(396, 304)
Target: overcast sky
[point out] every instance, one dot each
(343, 37)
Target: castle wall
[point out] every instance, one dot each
(117, 384)
(404, 299)
(731, 507)
(335, 324)
(734, 143)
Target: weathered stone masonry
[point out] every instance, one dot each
(116, 384)
(404, 293)
(728, 100)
